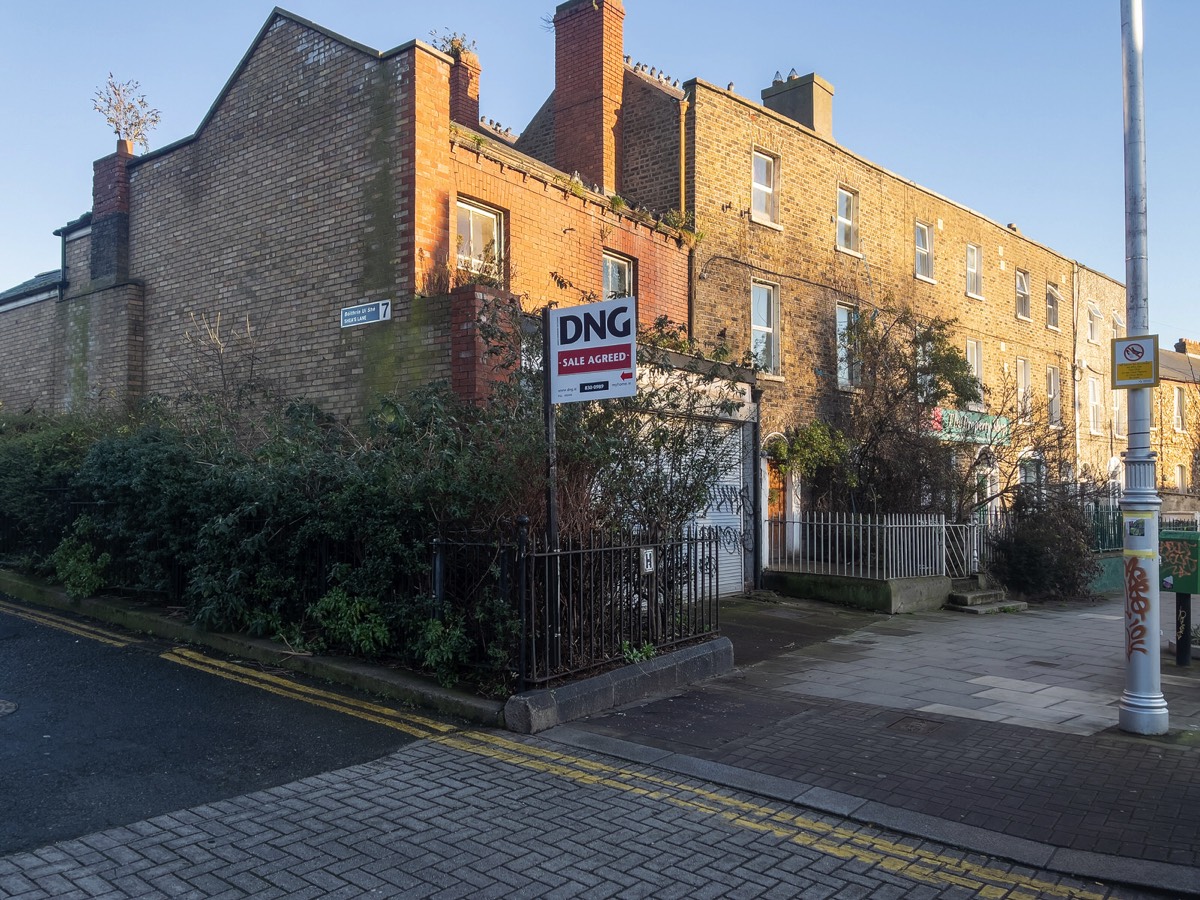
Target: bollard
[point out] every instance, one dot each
(1183, 629)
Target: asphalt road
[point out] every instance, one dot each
(94, 734)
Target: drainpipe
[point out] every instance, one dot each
(683, 108)
(62, 271)
(756, 480)
(1074, 361)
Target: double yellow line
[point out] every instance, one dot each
(780, 821)
(409, 723)
(80, 629)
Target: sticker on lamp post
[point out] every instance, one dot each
(593, 351)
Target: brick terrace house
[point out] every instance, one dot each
(326, 175)
(1175, 427)
(801, 234)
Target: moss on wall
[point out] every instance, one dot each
(78, 338)
(379, 246)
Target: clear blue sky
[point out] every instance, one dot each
(1012, 109)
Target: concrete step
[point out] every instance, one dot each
(983, 609)
(977, 597)
(973, 583)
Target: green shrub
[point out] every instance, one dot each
(39, 457)
(350, 624)
(1047, 553)
(441, 648)
(78, 567)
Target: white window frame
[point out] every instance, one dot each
(764, 338)
(1053, 307)
(1053, 396)
(923, 251)
(847, 219)
(615, 262)
(1118, 326)
(1024, 389)
(975, 271)
(1024, 297)
(1180, 412)
(764, 194)
(1181, 477)
(1094, 321)
(1095, 405)
(849, 372)
(974, 354)
(475, 259)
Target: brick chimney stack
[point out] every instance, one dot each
(1191, 348)
(807, 100)
(464, 89)
(589, 78)
(110, 214)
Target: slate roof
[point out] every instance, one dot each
(35, 285)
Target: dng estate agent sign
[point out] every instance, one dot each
(593, 351)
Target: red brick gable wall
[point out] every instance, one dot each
(556, 236)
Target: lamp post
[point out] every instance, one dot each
(1142, 709)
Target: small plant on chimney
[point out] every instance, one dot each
(130, 116)
(452, 43)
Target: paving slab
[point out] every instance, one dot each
(1019, 745)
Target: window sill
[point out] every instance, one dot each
(1093, 343)
(925, 278)
(849, 388)
(1026, 319)
(765, 222)
(1050, 327)
(840, 249)
(770, 376)
(978, 297)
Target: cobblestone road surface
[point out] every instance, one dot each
(480, 814)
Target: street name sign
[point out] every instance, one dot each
(366, 313)
(593, 351)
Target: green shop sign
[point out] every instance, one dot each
(968, 427)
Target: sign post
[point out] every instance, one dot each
(588, 353)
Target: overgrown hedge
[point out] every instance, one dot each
(264, 516)
(305, 532)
